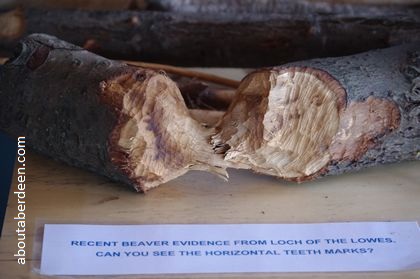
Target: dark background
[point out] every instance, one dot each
(8, 148)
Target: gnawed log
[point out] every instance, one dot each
(243, 40)
(196, 93)
(326, 116)
(127, 123)
(298, 121)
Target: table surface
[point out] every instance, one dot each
(57, 193)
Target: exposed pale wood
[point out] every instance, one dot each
(187, 73)
(297, 122)
(207, 117)
(196, 94)
(60, 194)
(177, 71)
(325, 116)
(127, 123)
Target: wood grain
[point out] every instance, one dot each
(57, 193)
(61, 194)
(228, 40)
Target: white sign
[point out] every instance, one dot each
(159, 249)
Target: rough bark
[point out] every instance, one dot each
(298, 121)
(326, 116)
(283, 6)
(100, 5)
(242, 40)
(237, 6)
(127, 123)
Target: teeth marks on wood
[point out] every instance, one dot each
(127, 123)
(156, 139)
(139, 134)
(361, 125)
(287, 131)
(326, 116)
(298, 121)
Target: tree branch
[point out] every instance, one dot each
(229, 40)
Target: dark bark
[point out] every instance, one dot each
(101, 5)
(127, 123)
(105, 116)
(326, 116)
(243, 40)
(392, 75)
(279, 6)
(50, 93)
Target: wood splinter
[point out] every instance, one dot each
(130, 124)
(298, 121)
(325, 116)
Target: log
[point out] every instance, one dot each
(234, 40)
(355, 7)
(298, 121)
(213, 94)
(127, 123)
(100, 5)
(325, 116)
(200, 90)
(217, 6)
